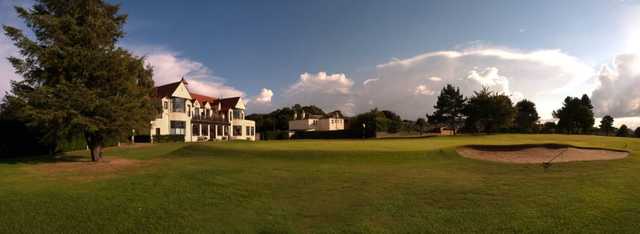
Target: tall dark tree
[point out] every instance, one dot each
(623, 131)
(527, 117)
(575, 116)
(76, 79)
(420, 125)
(448, 108)
(488, 112)
(606, 125)
(636, 133)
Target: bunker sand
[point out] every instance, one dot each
(531, 154)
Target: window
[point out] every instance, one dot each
(177, 104)
(237, 130)
(196, 112)
(237, 114)
(165, 105)
(253, 131)
(196, 130)
(189, 110)
(177, 127)
(248, 131)
(205, 130)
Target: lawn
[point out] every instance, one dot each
(324, 186)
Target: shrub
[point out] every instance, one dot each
(168, 138)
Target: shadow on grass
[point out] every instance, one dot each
(45, 159)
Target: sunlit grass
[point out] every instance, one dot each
(404, 185)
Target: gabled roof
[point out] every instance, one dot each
(225, 103)
(228, 103)
(167, 90)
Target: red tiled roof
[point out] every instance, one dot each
(202, 98)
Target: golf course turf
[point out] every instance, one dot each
(323, 186)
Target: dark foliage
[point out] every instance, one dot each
(606, 125)
(488, 112)
(76, 80)
(526, 120)
(575, 116)
(449, 108)
(623, 131)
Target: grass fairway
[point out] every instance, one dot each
(373, 186)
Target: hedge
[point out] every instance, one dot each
(274, 135)
(168, 138)
(341, 134)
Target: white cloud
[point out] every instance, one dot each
(543, 76)
(619, 92)
(169, 66)
(423, 90)
(328, 91)
(367, 81)
(322, 83)
(435, 79)
(264, 96)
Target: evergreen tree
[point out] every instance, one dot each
(448, 108)
(606, 124)
(637, 132)
(527, 117)
(76, 79)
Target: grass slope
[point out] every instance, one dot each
(373, 186)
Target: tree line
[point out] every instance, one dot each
(489, 112)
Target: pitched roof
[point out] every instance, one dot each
(228, 103)
(166, 90)
(202, 98)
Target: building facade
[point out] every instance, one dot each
(330, 122)
(199, 117)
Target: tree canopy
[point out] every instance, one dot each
(449, 108)
(526, 119)
(76, 80)
(606, 125)
(623, 131)
(487, 111)
(576, 115)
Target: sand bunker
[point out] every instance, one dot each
(524, 154)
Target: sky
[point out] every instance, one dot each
(355, 55)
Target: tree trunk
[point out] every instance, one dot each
(96, 153)
(95, 142)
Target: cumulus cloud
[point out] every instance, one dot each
(329, 91)
(169, 66)
(411, 86)
(264, 96)
(619, 92)
(322, 83)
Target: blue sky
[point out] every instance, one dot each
(277, 53)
